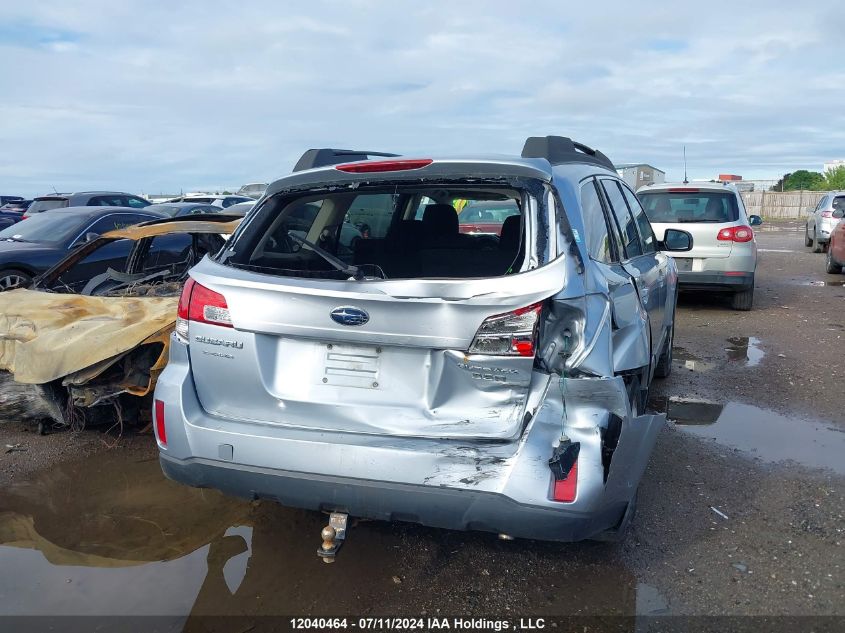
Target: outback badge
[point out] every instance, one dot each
(347, 315)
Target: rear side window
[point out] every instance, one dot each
(116, 221)
(107, 201)
(595, 225)
(136, 202)
(627, 225)
(646, 233)
(690, 206)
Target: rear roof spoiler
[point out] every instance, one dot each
(325, 156)
(560, 149)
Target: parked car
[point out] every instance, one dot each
(179, 209)
(220, 201)
(9, 216)
(486, 216)
(459, 381)
(86, 199)
(16, 205)
(253, 190)
(725, 255)
(93, 330)
(241, 208)
(29, 248)
(6, 199)
(836, 245)
(821, 220)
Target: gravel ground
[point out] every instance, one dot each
(719, 531)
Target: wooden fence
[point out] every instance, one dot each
(781, 205)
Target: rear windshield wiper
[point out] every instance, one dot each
(339, 264)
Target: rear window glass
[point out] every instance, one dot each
(690, 206)
(394, 232)
(45, 205)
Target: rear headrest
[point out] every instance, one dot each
(440, 219)
(714, 207)
(662, 205)
(510, 237)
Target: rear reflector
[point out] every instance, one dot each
(376, 166)
(510, 334)
(161, 432)
(735, 234)
(564, 490)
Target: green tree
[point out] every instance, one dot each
(834, 179)
(803, 179)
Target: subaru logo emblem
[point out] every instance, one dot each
(347, 315)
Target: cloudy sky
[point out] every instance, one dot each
(152, 97)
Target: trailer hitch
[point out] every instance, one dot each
(333, 536)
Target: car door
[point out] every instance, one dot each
(113, 255)
(639, 262)
(631, 344)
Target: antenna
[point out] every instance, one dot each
(56, 191)
(686, 181)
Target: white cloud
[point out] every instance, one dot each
(150, 97)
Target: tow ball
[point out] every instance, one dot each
(333, 536)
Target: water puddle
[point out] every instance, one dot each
(764, 434)
(821, 283)
(109, 535)
(745, 349)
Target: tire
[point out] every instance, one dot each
(817, 246)
(12, 278)
(807, 240)
(664, 364)
(743, 300)
(832, 267)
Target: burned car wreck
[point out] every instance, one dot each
(91, 335)
(415, 373)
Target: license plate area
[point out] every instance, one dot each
(351, 366)
(684, 264)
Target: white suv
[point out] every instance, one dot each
(724, 255)
(821, 222)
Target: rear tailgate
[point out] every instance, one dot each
(705, 244)
(405, 371)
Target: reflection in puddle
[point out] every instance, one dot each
(109, 535)
(745, 348)
(821, 283)
(767, 435)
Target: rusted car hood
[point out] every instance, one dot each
(46, 336)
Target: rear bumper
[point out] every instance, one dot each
(436, 507)
(718, 281)
(461, 484)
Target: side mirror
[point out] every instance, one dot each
(755, 220)
(676, 240)
(839, 213)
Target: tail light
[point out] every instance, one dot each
(376, 166)
(510, 334)
(161, 431)
(736, 234)
(564, 490)
(198, 303)
(827, 214)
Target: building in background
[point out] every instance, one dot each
(639, 174)
(833, 164)
(737, 182)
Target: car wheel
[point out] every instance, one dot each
(817, 246)
(664, 363)
(743, 300)
(832, 266)
(807, 239)
(11, 279)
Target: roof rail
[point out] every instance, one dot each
(560, 149)
(326, 156)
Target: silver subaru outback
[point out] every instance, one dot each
(351, 350)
